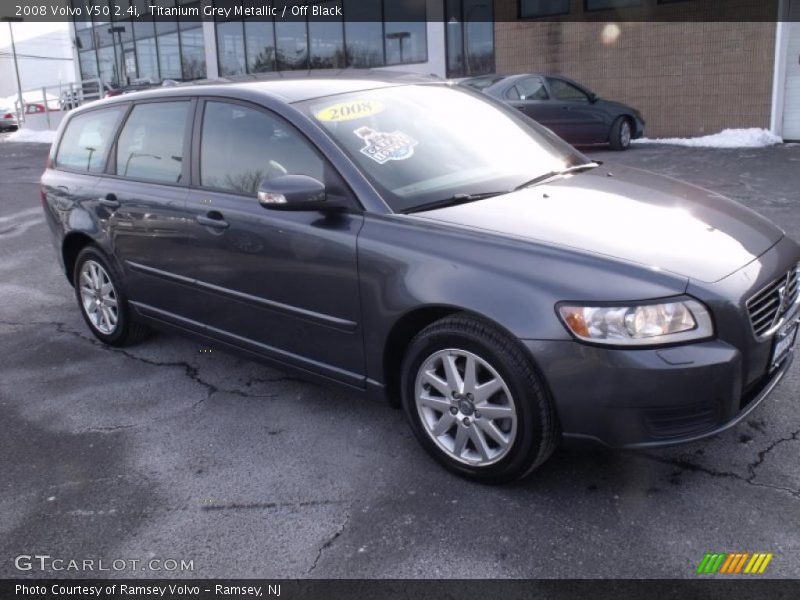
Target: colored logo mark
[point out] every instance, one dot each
(735, 563)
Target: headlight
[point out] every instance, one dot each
(638, 325)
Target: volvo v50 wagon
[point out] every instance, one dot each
(424, 243)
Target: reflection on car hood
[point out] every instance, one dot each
(631, 215)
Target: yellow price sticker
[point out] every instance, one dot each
(349, 111)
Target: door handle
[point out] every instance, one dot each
(110, 201)
(213, 219)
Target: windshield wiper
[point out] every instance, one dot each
(453, 201)
(551, 174)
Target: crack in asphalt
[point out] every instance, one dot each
(686, 465)
(329, 542)
(190, 371)
(115, 511)
(106, 429)
(268, 505)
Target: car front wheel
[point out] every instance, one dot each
(475, 402)
(621, 134)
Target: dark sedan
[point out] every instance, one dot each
(416, 241)
(566, 107)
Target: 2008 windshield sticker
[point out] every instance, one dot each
(383, 147)
(348, 111)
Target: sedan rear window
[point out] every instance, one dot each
(86, 139)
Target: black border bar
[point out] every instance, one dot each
(415, 10)
(717, 588)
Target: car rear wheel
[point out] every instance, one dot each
(621, 134)
(102, 301)
(475, 402)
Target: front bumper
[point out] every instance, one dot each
(638, 129)
(648, 398)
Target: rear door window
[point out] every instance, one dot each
(84, 145)
(150, 146)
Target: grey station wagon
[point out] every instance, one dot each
(424, 243)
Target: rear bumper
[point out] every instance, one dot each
(649, 398)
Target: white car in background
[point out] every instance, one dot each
(8, 119)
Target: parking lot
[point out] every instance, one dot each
(169, 451)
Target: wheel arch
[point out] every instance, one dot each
(73, 243)
(405, 328)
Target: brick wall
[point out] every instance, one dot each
(687, 78)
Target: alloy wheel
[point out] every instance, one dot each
(465, 407)
(625, 134)
(99, 298)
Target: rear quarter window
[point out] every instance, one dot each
(86, 140)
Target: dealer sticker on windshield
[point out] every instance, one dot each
(383, 147)
(349, 111)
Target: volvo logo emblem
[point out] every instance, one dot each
(781, 299)
(783, 302)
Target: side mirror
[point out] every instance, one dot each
(593, 98)
(292, 192)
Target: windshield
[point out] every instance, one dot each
(423, 144)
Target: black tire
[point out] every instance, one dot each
(618, 140)
(537, 433)
(126, 330)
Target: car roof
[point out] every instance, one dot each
(288, 86)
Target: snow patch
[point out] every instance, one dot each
(729, 138)
(30, 135)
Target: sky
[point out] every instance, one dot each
(48, 39)
(23, 31)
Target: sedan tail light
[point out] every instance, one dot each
(8, 116)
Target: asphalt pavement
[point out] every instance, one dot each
(168, 451)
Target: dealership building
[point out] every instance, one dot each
(692, 67)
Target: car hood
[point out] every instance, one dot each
(617, 105)
(627, 214)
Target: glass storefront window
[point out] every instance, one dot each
(88, 64)
(291, 45)
(260, 39)
(470, 37)
(230, 48)
(102, 35)
(144, 28)
(108, 69)
(406, 40)
(127, 34)
(193, 54)
(326, 40)
(84, 39)
(147, 59)
(372, 33)
(363, 31)
(543, 8)
(478, 37)
(169, 56)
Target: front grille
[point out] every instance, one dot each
(769, 305)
